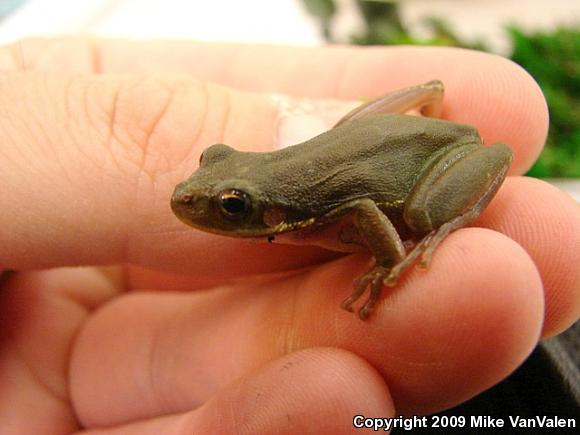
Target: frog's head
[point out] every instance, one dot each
(226, 195)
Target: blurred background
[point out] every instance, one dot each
(542, 36)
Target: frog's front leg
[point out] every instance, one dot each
(381, 238)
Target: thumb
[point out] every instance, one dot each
(88, 164)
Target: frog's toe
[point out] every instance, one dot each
(424, 261)
(376, 288)
(393, 277)
(374, 277)
(347, 304)
(360, 284)
(427, 254)
(365, 312)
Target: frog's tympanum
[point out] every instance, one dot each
(396, 184)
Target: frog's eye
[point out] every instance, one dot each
(234, 203)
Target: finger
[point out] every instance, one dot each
(311, 391)
(41, 315)
(546, 222)
(487, 91)
(89, 164)
(438, 338)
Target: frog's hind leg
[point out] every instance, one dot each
(427, 97)
(452, 193)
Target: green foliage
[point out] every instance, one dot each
(384, 27)
(324, 10)
(553, 59)
(382, 23)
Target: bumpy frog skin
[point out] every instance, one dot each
(387, 174)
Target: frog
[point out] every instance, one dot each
(395, 183)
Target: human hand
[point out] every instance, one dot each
(94, 135)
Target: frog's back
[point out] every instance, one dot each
(378, 156)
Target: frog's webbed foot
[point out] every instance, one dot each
(374, 277)
(379, 276)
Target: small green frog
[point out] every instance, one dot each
(396, 184)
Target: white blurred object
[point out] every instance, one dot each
(281, 21)
(45, 18)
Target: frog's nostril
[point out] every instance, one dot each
(186, 198)
(181, 198)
